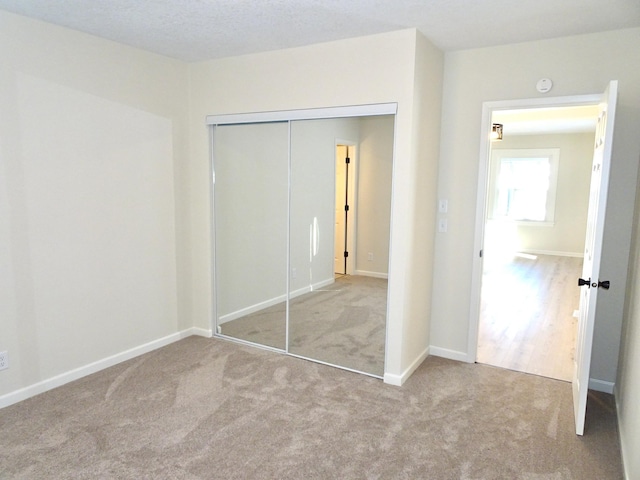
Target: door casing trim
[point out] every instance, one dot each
(481, 210)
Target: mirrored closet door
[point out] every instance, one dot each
(302, 216)
(251, 200)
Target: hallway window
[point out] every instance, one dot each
(524, 185)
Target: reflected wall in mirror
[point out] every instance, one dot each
(250, 208)
(336, 318)
(278, 212)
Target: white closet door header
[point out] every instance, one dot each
(304, 114)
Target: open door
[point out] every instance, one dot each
(590, 281)
(344, 210)
(342, 213)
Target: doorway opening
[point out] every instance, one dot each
(345, 208)
(536, 199)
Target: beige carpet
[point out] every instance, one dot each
(341, 324)
(212, 409)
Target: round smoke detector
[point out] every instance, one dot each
(544, 85)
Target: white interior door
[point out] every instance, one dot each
(341, 192)
(593, 248)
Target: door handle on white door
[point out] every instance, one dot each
(603, 284)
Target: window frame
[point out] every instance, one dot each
(497, 155)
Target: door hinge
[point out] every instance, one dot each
(346, 208)
(480, 254)
(347, 160)
(346, 254)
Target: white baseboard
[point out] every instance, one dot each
(601, 386)
(77, 373)
(298, 292)
(273, 301)
(312, 288)
(398, 380)
(554, 253)
(251, 309)
(450, 354)
(366, 273)
(322, 284)
(594, 384)
(200, 332)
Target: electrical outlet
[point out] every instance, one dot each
(370, 257)
(4, 360)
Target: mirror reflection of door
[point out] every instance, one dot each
(345, 209)
(274, 212)
(538, 195)
(341, 319)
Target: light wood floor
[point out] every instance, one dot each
(526, 320)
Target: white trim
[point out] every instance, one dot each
(312, 288)
(366, 273)
(239, 341)
(256, 307)
(399, 280)
(93, 367)
(198, 332)
(287, 302)
(316, 286)
(304, 114)
(528, 223)
(601, 386)
(272, 301)
(565, 101)
(623, 449)
(213, 319)
(398, 380)
(554, 253)
(450, 354)
(481, 208)
(335, 365)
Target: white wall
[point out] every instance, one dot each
(108, 150)
(566, 236)
(375, 166)
(375, 69)
(90, 135)
(628, 381)
(577, 65)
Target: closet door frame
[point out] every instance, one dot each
(289, 116)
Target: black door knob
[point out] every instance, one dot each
(582, 281)
(604, 284)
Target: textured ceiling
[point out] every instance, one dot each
(194, 30)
